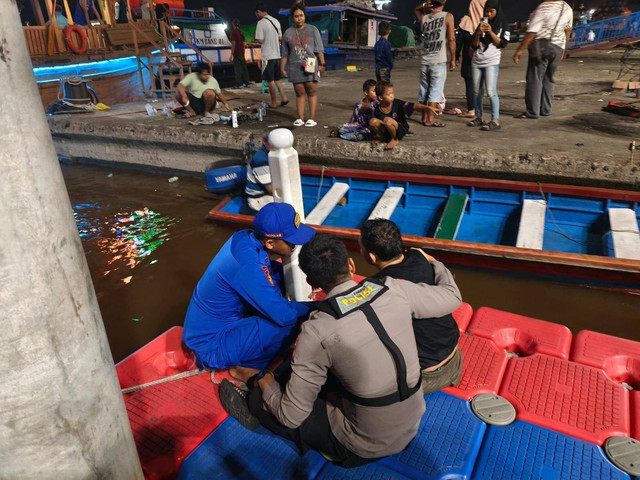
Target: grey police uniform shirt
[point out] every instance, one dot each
(351, 350)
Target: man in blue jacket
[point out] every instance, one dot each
(238, 314)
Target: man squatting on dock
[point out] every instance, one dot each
(199, 92)
(354, 388)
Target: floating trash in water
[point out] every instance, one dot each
(110, 175)
(126, 280)
(173, 179)
(136, 319)
(152, 262)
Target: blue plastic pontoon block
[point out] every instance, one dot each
(447, 443)
(372, 471)
(232, 451)
(529, 452)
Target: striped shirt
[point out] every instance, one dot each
(258, 174)
(550, 20)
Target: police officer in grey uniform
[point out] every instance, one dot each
(361, 339)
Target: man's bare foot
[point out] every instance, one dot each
(375, 143)
(242, 373)
(392, 144)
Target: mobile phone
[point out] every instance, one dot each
(485, 19)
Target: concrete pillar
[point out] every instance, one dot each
(287, 188)
(61, 410)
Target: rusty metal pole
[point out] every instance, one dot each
(60, 401)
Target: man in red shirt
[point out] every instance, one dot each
(237, 55)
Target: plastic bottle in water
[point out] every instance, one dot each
(150, 110)
(234, 119)
(173, 179)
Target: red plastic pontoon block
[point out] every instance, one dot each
(635, 414)
(519, 334)
(483, 366)
(171, 419)
(566, 397)
(618, 357)
(462, 315)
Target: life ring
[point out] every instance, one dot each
(68, 38)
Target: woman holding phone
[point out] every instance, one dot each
(303, 62)
(490, 37)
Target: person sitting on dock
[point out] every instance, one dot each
(358, 127)
(258, 190)
(389, 120)
(436, 338)
(199, 92)
(354, 390)
(238, 314)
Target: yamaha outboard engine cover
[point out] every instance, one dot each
(225, 176)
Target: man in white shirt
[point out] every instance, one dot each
(268, 35)
(546, 38)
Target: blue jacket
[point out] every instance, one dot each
(239, 282)
(383, 54)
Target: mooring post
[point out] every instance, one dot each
(60, 402)
(287, 187)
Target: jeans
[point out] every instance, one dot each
(489, 77)
(432, 79)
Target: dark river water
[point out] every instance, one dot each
(147, 244)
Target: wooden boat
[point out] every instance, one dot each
(570, 233)
(181, 429)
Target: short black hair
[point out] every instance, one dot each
(204, 67)
(368, 84)
(382, 86)
(384, 28)
(382, 238)
(325, 261)
(297, 6)
(260, 6)
(235, 22)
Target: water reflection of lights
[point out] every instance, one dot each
(127, 238)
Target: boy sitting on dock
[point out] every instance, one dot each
(358, 127)
(436, 338)
(199, 92)
(389, 120)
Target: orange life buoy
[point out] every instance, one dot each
(68, 38)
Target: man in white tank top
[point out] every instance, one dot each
(438, 37)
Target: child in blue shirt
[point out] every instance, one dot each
(383, 53)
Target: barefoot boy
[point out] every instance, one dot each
(389, 120)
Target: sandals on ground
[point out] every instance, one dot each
(310, 123)
(476, 122)
(490, 127)
(524, 115)
(298, 123)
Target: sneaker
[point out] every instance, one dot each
(310, 123)
(234, 401)
(298, 123)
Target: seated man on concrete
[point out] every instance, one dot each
(238, 314)
(361, 338)
(258, 190)
(199, 92)
(436, 338)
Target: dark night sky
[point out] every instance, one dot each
(403, 9)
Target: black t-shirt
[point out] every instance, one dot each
(400, 110)
(436, 337)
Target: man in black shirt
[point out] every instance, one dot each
(436, 338)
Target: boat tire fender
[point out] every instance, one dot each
(68, 38)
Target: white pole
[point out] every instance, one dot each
(287, 188)
(62, 410)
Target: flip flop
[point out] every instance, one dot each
(437, 125)
(298, 123)
(310, 123)
(467, 115)
(490, 127)
(284, 102)
(525, 116)
(476, 122)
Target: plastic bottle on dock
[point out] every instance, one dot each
(234, 119)
(150, 110)
(263, 108)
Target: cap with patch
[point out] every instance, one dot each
(280, 221)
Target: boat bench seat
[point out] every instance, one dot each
(531, 230)
(625, 233)
(387, 203)
(451, 217)
(123, 35)
(325, 206)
